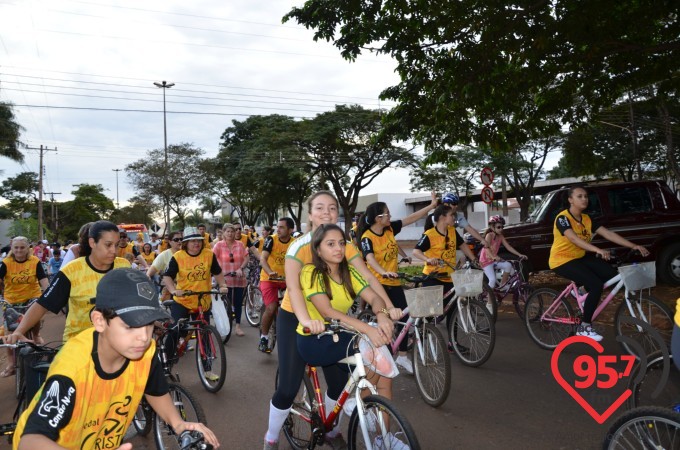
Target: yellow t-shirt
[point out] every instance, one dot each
(341, 301)
(301, 251)
(385, 250)
(104, 407)
(121, 251)
(442, 247)
(277, 255)
(21, 280)
(677, 313)
(194, 275)
(84, 280)
(148, 258)
(562, 250)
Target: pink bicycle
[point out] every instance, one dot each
(550, 318)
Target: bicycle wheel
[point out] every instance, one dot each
(143, 418)
(298, 427)
(271, 336)
(211, 359)
(644, 428)
(432, 366)
(651, 310)
(189, 410)
(228, 305)
(253, 303)
(386, 427)
(548, 333)
(472, 332)
(643, 391)
(520, 297)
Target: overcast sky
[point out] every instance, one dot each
(68, 65)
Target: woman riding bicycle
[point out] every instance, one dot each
(23, 278)
(329, 286)
(232, 256)
(572, 232)
(191, 269)
(323, 209)
(488, 257)
(375, 235)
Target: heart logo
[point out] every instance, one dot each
(598, 417)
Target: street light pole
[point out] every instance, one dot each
(117, 197)
(165, 85)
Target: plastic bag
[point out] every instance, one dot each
(379, 359)
(219, 312)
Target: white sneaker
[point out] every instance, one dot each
(391, 442)
(588, 332)
(405, 363)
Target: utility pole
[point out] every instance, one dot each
(40, 188)
(117, 198)
(55, 215)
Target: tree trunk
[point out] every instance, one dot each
(670, 147)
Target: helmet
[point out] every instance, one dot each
(450, 198)
(496, 219)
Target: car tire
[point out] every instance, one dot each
(668, 264)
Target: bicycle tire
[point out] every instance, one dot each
(643, 391)
(189, 409)
(474, 347)
(211, 358)
(379, 409)
(432, 367)
(299, 432)
(229, 306)
(546, 334)
(657, 314)
(644, 428)
(253, 303)
(521, 295)
(143, 418)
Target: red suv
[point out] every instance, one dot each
(644, 212)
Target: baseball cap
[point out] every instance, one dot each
(131, 295)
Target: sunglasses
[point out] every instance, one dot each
(383, 215)
(176, 239)
(499, 227)
(231, 257)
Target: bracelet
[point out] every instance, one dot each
(384, 311)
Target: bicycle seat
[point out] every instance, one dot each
(168, 303)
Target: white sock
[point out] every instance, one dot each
(329, 404)
(276, 419)
(262, 335)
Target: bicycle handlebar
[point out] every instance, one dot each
(187, 293)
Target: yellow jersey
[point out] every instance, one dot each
(433, 244)
(385, 250)
(277, 255)
(21, 278)
(562, 250)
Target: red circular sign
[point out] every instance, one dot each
(487, 195)
(486, 176)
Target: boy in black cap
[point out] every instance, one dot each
(89, 402)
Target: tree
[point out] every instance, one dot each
(140, 210)
(10, 131)
(173, 187)
(21, 192)
(454, 174)
(88, 205)
(210, 205)
(347, 150)
(501, 74)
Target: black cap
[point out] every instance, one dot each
(131, 295)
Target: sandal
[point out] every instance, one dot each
(8, 372)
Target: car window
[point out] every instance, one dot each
(629, 200)
(594, 209)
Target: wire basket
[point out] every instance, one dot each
(639, 276)
(425, 301)
(469, 282)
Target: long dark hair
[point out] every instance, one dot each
(321, 268)
(439, 211)
(84, 248)
(368, 218)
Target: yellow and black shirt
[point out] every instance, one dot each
(131, 248)
(148, 258)
(193, 273)
(433, 244)
(21, 278)
(385, 250)
(75, 285)
(277, 255)
(82, 407)
(562, 250)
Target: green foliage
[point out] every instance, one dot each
(139, 210)
(21, 192)
(27, 227)
(501, 74)
(88, 205)
(10, 131)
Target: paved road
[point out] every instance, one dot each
(512, 402)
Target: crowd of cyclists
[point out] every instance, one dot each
(322, 271)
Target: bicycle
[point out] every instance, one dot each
(549, 317)
(11, 316)
(271, 336)
(431, 364)
(516, 285)
(193, 440)
(252, 303)
(648, 390)
(210, 352)
(644, 428)
(374, 422)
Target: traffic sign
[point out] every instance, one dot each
(487, 195)
(486, 176)
(155, 228)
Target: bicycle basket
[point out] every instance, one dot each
(425, 301)
(468, 283)
(36, 364)
(639, 276)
